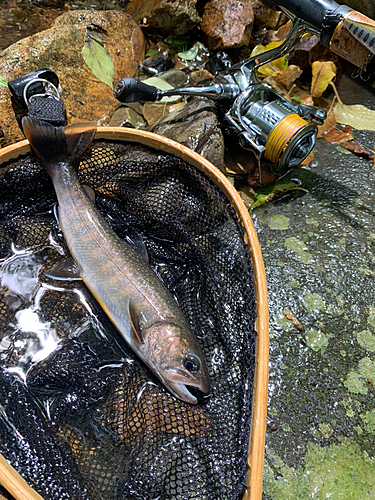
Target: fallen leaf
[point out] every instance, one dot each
(262, 176)
(309, 158)
(282, 32)
(329, 124)
(272, 67)
(277, 87)
(270, 193)
(177, 41)
(289, 75)
(98, 61)
(355, 115)
(3, 82)
(337, 136)
(357, 148)
(322, 74)
(291, 317)
(161, 84)
(190, 54)
(303, 97)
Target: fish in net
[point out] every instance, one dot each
(80, 416)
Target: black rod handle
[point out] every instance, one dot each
(132, 90)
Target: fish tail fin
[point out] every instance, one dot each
(54, 145)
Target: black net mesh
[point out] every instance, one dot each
(80, 416)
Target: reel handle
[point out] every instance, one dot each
(132, 90)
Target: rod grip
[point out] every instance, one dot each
(132, 90)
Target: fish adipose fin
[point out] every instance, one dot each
(66, 270)
(54, 145)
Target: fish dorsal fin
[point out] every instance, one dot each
(54, 145)
(66, 270)
(134, 321)
(89, 192)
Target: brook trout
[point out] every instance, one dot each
(130, 293)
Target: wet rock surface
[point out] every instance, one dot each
(59, 48)
(196, 126)
(318, 251)
(175, 17)
(227, 23)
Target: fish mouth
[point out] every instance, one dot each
(178, 383)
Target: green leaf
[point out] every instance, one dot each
(190, 54)
(3, 82)
(356, 115)
(99, 61)
(274, 191)
(151, 52)
(177, 41)
(297, 99)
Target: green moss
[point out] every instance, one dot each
(279, 222)
(370, 421)
(316, 339)
(326, 430)
(367, 340)
(339, 472)
(295, 244)
(355, 384)
(357, 381)
(313, 302)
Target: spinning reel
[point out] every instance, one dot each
(264, 121)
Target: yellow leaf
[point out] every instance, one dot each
(273, 67)
(355, 115)
(322, 74)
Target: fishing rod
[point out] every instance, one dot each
(265, 122)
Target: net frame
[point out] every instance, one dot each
(13, 481)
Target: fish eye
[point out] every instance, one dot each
(192, 363)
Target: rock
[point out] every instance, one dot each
(157, 63)
(266, 17)
(174, 77)
(167, 17)
(227, 24)
(196, 126)
(154, 111)
(59, 48)
(218, 62)
(126, 116)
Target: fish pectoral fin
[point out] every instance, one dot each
(89, 192)
(136, 243)
(66, 270)
(134, 321)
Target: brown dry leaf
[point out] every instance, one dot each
(277, 87)
(322, 74)
(291, 317)
(329, 124)
(302, 97)
(289, 75)
(337, 136)
(309, 158)
(357, 148)
(281, 33)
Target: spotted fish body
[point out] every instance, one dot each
(130, 293)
